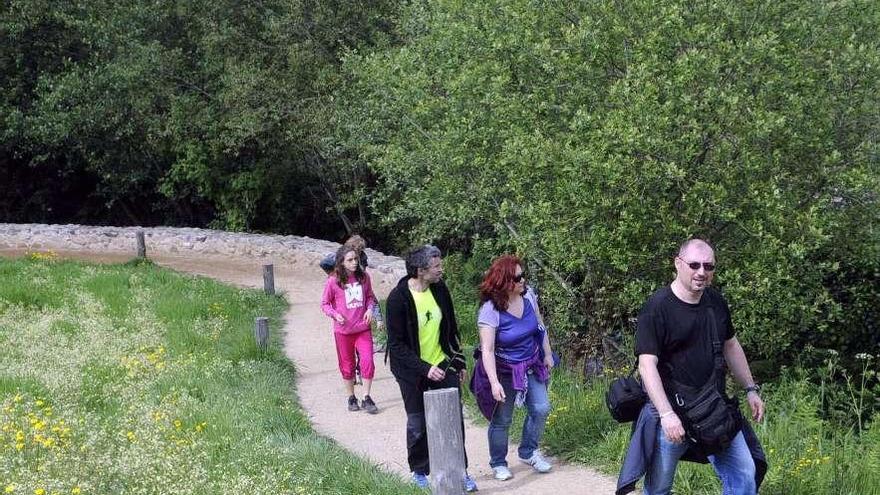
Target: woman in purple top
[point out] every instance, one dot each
(514, 366)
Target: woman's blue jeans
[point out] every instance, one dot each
(538, 407)
(734, 467)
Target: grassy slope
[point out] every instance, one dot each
(135, 379)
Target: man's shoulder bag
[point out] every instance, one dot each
(710, 418)
(625, 398)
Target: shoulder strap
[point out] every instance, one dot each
(717, 350)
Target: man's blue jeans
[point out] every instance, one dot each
(538, 407)
(734, 466)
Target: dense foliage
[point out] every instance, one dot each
(187, 113)
(593, 137)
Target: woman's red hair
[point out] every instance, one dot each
(498, 281)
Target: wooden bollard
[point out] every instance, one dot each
(445, 441)
(261, 332)
(269, 279)
(141, 244)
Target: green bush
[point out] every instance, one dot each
(594, 137)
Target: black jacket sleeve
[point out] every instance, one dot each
(404, 360)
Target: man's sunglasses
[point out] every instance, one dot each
(519, 278)
(695, 265)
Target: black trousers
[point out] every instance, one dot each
(416, 431)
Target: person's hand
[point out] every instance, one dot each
(672, 428)
(548, 361)
(368, 317)
(757, 406)
(339, 319)
(462, 375)
(436, 374)
(498, 392)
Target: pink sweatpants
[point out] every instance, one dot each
(345, 347)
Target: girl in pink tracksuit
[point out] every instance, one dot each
(349, 300)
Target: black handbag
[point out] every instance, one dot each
(625, 398)
(710, 418)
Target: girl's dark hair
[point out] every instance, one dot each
(341, 273)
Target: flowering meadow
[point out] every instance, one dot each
(135, 379)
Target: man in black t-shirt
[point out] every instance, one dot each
(675, 335)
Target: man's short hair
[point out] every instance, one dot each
(420, 257)
(693, 240)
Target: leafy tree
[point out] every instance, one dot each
(594, 137)
(196, 112)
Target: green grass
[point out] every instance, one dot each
(135, 379)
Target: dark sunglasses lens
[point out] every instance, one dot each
(695, 265)
(519, 278)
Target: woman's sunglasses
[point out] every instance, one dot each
(519, 278)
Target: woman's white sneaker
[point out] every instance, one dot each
(538, 462)
(502, 473)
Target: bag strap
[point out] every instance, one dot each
(635, 367)
(717, 350)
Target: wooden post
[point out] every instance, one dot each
(141, 245)
(445, 441)
(269, 279)
(261, 332)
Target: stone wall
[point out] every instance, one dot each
(172, 240)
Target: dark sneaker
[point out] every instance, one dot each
(368, 405)
(353, 404)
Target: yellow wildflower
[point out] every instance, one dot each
(9, 488)
(75, 490)
(39, 491)
(131, 436)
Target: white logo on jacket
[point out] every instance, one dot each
(354, 295)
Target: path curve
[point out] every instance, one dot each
(308, 343)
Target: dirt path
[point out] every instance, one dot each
(308, 343)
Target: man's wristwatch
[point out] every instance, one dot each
(753, 388)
